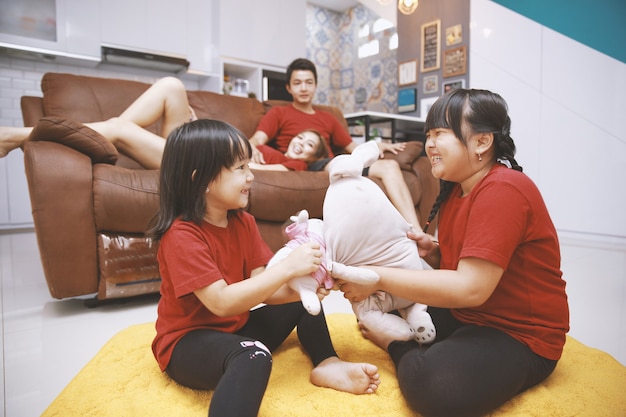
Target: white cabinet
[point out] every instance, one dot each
(71, 29)
(248, 71)
(183, 29)
(266, 32)
(15, 209)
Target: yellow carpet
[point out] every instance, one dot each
(123, 379)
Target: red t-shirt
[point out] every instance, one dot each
(192, 257)
(504, 220)
(283, 123)
(273, 156)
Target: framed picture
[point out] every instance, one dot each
(407, 100)
(430, 84)
(453, 85)
(407, 73)
(431, 46)
(425, 105)
(454, 35)
(455, 62)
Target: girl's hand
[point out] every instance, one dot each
(304, 260)
(356, 292)
(322, 292)
(427, 246)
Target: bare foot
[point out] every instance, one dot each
(380, 340)
(11, 138)
(355, 378)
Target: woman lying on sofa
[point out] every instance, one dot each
(167, 99)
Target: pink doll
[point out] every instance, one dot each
(303, 230)
(362, 227)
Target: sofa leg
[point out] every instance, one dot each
(139, 299)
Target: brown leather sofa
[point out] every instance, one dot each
(91, 205)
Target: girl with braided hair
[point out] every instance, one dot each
(496, 297)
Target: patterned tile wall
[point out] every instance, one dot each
(345, 80)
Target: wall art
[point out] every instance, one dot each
(431, 46)
(407, 72)
(455, 62)
(430, 84)
(453, 85)
(407, 100)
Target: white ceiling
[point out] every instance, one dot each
(336, 5)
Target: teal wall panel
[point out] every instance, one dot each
(599, 24)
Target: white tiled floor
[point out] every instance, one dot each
(45, 342)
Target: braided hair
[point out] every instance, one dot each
(472, 111)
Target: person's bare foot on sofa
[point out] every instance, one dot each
(355, 378)
(11, 138)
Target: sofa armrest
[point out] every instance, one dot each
(32, 110)
(60, 186)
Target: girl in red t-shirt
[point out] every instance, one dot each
(212, 262)
(501, 310)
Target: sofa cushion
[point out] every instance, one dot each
(89, 99)
(241, 112)
(77, 136)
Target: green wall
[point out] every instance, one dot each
(599, 24)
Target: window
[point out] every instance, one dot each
(370, 48)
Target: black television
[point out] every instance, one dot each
(274, 86)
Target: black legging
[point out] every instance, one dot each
(468, 371)
(237, 365)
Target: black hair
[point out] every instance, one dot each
(195, 154)
(467, 112)
(301, 64)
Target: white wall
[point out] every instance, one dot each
(567, 104)
(267, 32)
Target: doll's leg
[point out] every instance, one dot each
(420, 321)
(372, 313)
(307, 288)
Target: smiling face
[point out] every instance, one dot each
(454, 161)
(231, 189)
(304, 146)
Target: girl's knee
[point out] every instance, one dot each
(255, 351)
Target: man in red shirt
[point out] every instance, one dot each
(282, 123)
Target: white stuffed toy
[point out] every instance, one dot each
(303, 230)
(362, 227)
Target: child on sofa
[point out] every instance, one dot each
(503, 311)
(212, 262)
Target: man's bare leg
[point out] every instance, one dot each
(388, 171)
